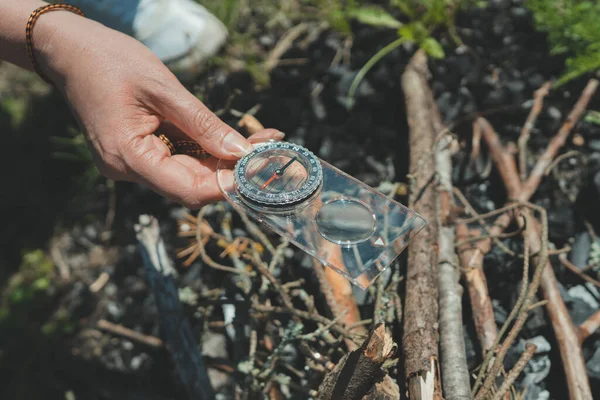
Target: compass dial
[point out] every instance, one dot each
(278, 174)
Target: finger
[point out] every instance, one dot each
(266, 135)
(190, 184)
(188, 114)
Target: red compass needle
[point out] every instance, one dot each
(271, 179)
(278, 173)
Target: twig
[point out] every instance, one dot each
(516, 371)
(202, 250)
(504, 161)
(129, 333)
(575, 270)
(471, 259)
(99, 283)
(283, 45)
(420, 340)
(558, 141)
(589, 326)
(307, 316)
(176, 329)
(538, 101)
(517, 310)
(59, 260)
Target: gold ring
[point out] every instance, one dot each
(187, 147)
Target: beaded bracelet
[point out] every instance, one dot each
(29, 28)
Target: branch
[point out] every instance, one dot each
(176, 330)
(455, 373)
(516, 371)
(538, 172)
(538, 101)
(589, 326)
(420, 340)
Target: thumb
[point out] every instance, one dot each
(192, 117)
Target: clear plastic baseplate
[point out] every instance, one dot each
(346, 224)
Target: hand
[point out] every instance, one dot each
(120, 94)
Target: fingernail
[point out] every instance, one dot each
(278, 135)
(235, 144)
(226, 181)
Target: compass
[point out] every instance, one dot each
(278, 174)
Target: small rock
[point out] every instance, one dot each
(519, 12)
(580, 250)
(580, 303)
(127, 345)
(138, 361)
(266, 40)
(115, 310)
(499, 312)
(554, 113)
(593, 365)
(536, 80)
(497, 97)
(516, 88)
(594, 144)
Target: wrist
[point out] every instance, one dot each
(54, 38)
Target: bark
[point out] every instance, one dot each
(455, 373)
(589, 326)
(471, 259)
(359, 373)
(420, 340)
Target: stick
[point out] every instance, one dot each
(538, 101)
(566, 333)
(176, 330)
(516, 371)
(129, 333)
(589, 326)
(573, 268)
(471, 259)
(558, 141)
(338, 294)
(356, 373)
(420, 340)
(455, 373)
